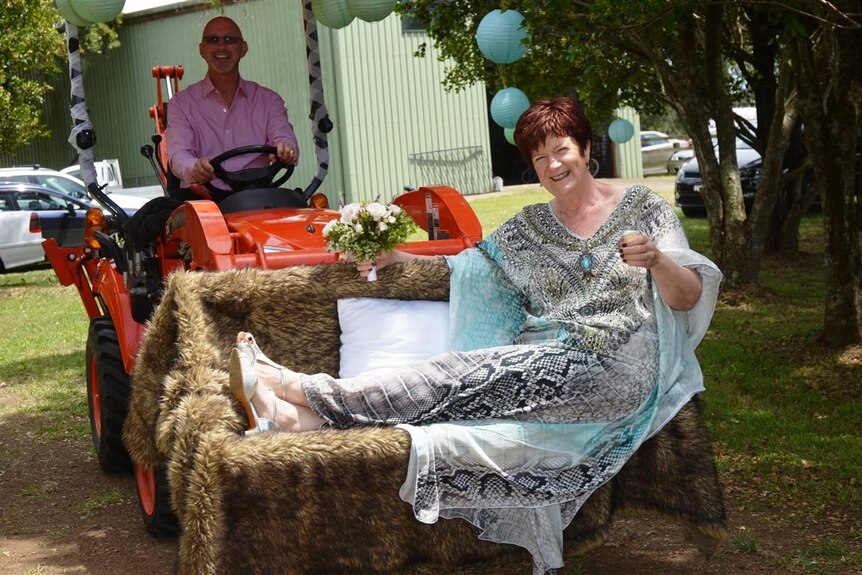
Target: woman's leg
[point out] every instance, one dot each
(286, 415)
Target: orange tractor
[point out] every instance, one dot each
(259, 225)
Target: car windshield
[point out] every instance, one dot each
(65, 186)
(740, 145)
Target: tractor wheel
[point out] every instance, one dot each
(154, 497)
(107, 395)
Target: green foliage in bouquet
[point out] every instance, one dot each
(365, 230)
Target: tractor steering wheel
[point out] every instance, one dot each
(250, 178)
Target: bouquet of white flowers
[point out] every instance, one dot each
(365, 230)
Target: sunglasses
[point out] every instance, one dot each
(229, 40)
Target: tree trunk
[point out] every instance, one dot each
(763, 212)
(733, 251)
(831, 117)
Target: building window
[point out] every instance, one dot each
(412, 24)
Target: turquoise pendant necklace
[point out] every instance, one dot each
(586, 261)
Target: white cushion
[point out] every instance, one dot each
(379, 332)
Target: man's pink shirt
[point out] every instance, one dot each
(200, 125)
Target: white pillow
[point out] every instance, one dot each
(379, 332)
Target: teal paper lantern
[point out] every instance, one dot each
(332, 13)
(621, 131)
(68, 13)
(371, 10)
(501, 36)
(97, 10)
(507, 106)
(509, 133)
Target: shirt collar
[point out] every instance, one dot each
(210, 89)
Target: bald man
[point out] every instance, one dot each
(224, 111)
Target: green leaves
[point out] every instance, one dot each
(30, 51)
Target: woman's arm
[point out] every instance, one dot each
(388, 258)
(680, 287)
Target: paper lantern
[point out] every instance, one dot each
(509, 133)
(371, 10)
(507, 106)
(332, 13)
(68, 12)
(501, 36)
(97, 10)
(621, 131)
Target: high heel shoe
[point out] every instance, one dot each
(243, 385)
(246, 340)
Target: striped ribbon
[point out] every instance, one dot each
(82, 136)
(320, 123)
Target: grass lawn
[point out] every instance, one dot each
(784, 413)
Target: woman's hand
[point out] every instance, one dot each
(383, 259)
(638, 250)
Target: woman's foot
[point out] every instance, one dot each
(243, 385)
(284, 382)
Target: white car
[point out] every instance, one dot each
(67, 184)
(658, 150)
(20, 239)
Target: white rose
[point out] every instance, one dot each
(381, 226)
(376, 210)
(328, 227)
(358, 228)
(394, 209)
(349, 212)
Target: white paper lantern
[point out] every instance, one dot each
(507, 106)
(501, 36)
(332, 13)
(371, 10)
(98, 10)
(68, 12)
(621, 131)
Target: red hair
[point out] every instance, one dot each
(551, 117)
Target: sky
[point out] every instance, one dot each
(137, 5)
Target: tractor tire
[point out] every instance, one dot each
(154, 499)
(108, 391)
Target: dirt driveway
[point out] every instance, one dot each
(59, 514)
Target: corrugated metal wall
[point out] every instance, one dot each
(629, 161)
(395, 126)
(401, 128)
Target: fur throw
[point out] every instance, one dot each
(327, 501)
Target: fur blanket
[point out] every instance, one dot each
(327, 501)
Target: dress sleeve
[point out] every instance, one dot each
(485, 309)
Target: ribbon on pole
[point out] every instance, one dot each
(320, 122)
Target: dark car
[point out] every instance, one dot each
(687, 192)
(61, 216)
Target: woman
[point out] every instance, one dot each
(514, 433)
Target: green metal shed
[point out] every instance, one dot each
(395, 125)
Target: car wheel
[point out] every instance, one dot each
(154, 498)
(107, 395)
